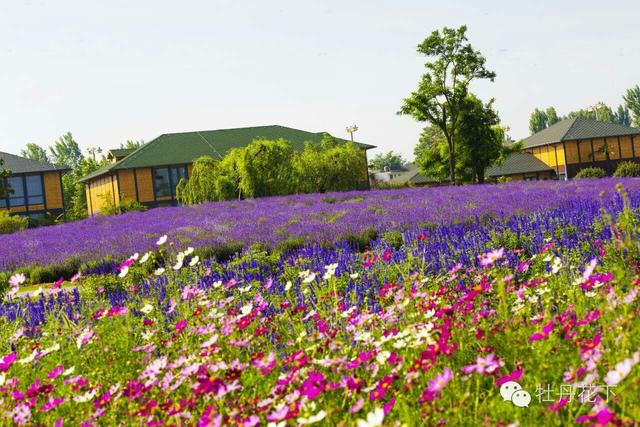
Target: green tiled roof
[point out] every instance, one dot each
(577, 128)
(19, 164)
(518, 163)
(178, 148)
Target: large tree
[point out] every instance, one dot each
(451, 67)
(537, 121)
(481, 142)
(481, 139)
(632, 101)
(552, 116)
(131, 144)
(66, 152)
(391, 161)
(35, 152)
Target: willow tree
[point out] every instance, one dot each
(451, 67)
(200, 187)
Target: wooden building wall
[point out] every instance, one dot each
(600, 152)
(101, 189)
(53, 190)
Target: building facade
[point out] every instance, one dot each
(150, 174)
(35, 188)
(571, 145)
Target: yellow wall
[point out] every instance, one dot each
(551, 155)
(52, 190)
(100, 189)
(126, 184)
(145, 184)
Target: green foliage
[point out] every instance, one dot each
(591, 173)
(393, 238)
(66, 151)
(443, 89)
(131, 144)
(627, 169)
(4, 173)
(125, 205)
(480, 144)
(389, 161)
(632, 102)
(35, 152)
(12, 223)
(266, 168)
(537, 121)
(201, 186)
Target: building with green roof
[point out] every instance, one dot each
(150, 173)
(570, 145)
(35, 187)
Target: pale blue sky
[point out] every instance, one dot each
(115, 70)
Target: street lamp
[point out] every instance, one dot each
(351, 130)
(93, 151)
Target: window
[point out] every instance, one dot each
(34, 190)
(16, 191)
(161, 184)
(166, 179)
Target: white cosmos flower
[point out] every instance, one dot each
(123, 272)
(178, 265)
(145, 258)
(162, 240)
(189, 251)
(159, 271)
(86, 397)
(194, 261)
(17, 280)
(310, 278)
(245, 289)
(313, 418)
(69, 371)
(374, 419)
(148, 308)
(3, 378)
(217, 284)
(354, 275)
(288, 286)
(246, 309)
(30, 358)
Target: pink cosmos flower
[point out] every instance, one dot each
(180, 325)
(51, 403)
(619, 373)
(57, 371)
(7, 361)
(546, 330)
(484, 365)
(279, 414)
(489, 258)
(436, 385)
(21, 414)
(513, 376)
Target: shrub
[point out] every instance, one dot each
(126, 205)
(591, 173)
(627, 169)
(12, 223)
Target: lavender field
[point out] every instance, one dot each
(518, 306)
(305, 218)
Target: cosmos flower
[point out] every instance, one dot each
(162, 240)
(374, 419)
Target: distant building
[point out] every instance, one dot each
(151, 173)
(35, 187)
(571, 145)
(410, 176)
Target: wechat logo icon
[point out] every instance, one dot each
(513, 392)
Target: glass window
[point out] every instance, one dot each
(161, 184)
(177, 174)
(34, 190)
(16, 191)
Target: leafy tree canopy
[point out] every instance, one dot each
(387, 161)
(66, 152)
(35, 152)
(451, 67)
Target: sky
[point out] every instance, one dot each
(108, 71)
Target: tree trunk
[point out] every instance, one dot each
(480, 175)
